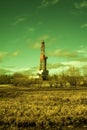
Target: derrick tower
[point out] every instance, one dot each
(43, 72)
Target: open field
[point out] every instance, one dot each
(30, 109)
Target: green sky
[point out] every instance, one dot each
(62, 24)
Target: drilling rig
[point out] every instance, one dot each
(43, 72)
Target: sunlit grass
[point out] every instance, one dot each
(43, 110)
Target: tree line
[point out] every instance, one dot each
(72, 77)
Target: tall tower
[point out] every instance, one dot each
(43, 72)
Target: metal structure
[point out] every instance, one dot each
(43, 72)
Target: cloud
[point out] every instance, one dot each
(40, 23)
(4, 71)
(19, 20)
(55, 1)
(31, 29)
(36, 45)
(73, 63)
(16, 53)
(63, 66)
(63, 54)
(44, 37)
(81, 51)
(77, 56)
(84, 25)
(81, 46)
(3, 55)
(46, 3)
(81, 4)
(54, 66)
(82, 59)
(27, 71)
(9, 66)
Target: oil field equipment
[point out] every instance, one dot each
(43, 72)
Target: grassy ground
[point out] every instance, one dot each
(25, 109)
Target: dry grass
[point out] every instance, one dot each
(22, 109)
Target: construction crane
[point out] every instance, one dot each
(43, 72)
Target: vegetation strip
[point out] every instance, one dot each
(24, 109)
